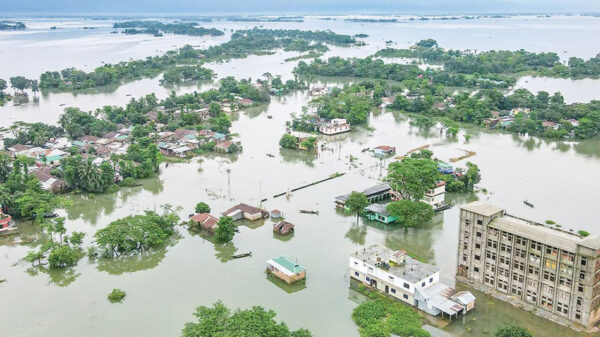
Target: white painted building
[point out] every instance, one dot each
(335, 126)
(408, 280)
(435, 196)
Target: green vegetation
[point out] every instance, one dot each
(186, 73)
(356, 202)
(410, 213)
(83, 174)
(136, 233)
(352, 103)
(116, 296)
(583, 233)
(226, 229)
(185, 62)
(157, 28)
(62, 253)
(382, 317)
(412, 177)
(202, 207)
(36, 134)
(288, 141)
(218, 320)
(512, 330)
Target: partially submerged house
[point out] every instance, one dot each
(49, 182)
(435, 196)
(283, 227)
(335, 126)
(244, 211)
(408, 280)
(374, 194)
(206, 221)
(445, 168)
(276, 214)
(284, 268)
(379, 213)
(384, 150)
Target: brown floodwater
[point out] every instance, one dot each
(165, 285)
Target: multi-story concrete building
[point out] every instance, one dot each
(408, 280)
(539, 265)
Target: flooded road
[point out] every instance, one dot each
(164, 286)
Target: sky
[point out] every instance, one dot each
(211, 7)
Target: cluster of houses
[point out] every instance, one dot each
(499, 120)
(182, 142)
(377, 196)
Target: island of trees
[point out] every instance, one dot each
(157, 28)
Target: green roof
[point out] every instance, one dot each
(288, 264)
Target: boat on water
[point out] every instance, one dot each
(528, 203)
(239, 256)
(305, 211)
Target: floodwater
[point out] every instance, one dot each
(164, 286)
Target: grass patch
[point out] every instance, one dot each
(116, 296)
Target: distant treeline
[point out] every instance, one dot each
(157, 27)
(12, 25)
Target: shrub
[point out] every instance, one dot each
(116, 296)
(583, 233)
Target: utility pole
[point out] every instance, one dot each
(228, 183)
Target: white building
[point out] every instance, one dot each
(435, 196)
(335, 126)
(408, 280)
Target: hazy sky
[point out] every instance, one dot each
(200, 7)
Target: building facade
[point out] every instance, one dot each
(408, 280)
(542, 266)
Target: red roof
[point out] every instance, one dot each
(244, 208)
(386, 148)
(206, 220)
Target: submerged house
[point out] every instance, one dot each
(408, 280)
(244, 211)
(374, 194)
(379, 213)
(284, 268)
(206, 221)
(384, 150)
(335, 126)
(435, 196)
(445, 168)
(276, 214)
(283, 227)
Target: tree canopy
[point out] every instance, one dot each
(226, 229)
(512, 330)
(410, 213)
(218, 320)
(412, 177)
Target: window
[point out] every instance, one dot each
(550, 264)
(503, 272)
(393, 291)
(519, 253)
(533, 271)
(518, 278)
(579, 300)
(577, 314)
(489, 280)
(519, 266)
(531, 296)
(423, 284)
(532, 283)
(405, 296)
(356, 263)
(475, 269)
(563, 281)
(480, 222)
(490, 255)
(477, 257)
(580, 288)
(562, 308)
(478, 233)
(477, 245)
(466, 234)
(431, 280)
(536, 245)
(505, 248)
(356, 273)
(568, 257)
(368, 279)
(551, 251)
(467, 222)
(516, 290)
(506, 236)
(548, 276)
(405, 285)
(583, 261)
(582, 276)
(547, 302)
(391, 278)
(491, 243)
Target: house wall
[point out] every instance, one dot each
(252, 216)
(287, 278)
(399, 293)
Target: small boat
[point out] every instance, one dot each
(308, 211)
(239, 256)
(270, 155)
(269, 117)
(62, 104)
(365, 149)
(50, 215)
(528, 203)
(443, 207)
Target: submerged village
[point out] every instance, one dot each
(301, 155)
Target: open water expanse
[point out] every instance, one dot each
(164, 286)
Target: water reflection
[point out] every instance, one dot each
(288, 288)
(60, 277)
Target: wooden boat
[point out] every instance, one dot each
(308, 211)
(270, 155)
(365, 149)
(239, 256)
(443, 207)
(528, 203)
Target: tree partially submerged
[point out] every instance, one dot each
(410, 213)
(226, 229)
(356, 202)
(412, 177)
(218, 320)
(136, 233)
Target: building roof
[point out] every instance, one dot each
(206, 220)
(244, 208)
(549, 235)
(411, 270)
(286, 265)
(481, 208)
(378, 208)
(385, 148)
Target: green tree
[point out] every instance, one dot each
(356, 202)
(116, 296)
(410, 213)
(288, 141)
(19, 82)
(62, 256)
(214, 109)
(34, 256)
(412, 177)
(76, 238)
(59, 227)
(226, 229)
(218, 320)
(202, 207)
(512, 331)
